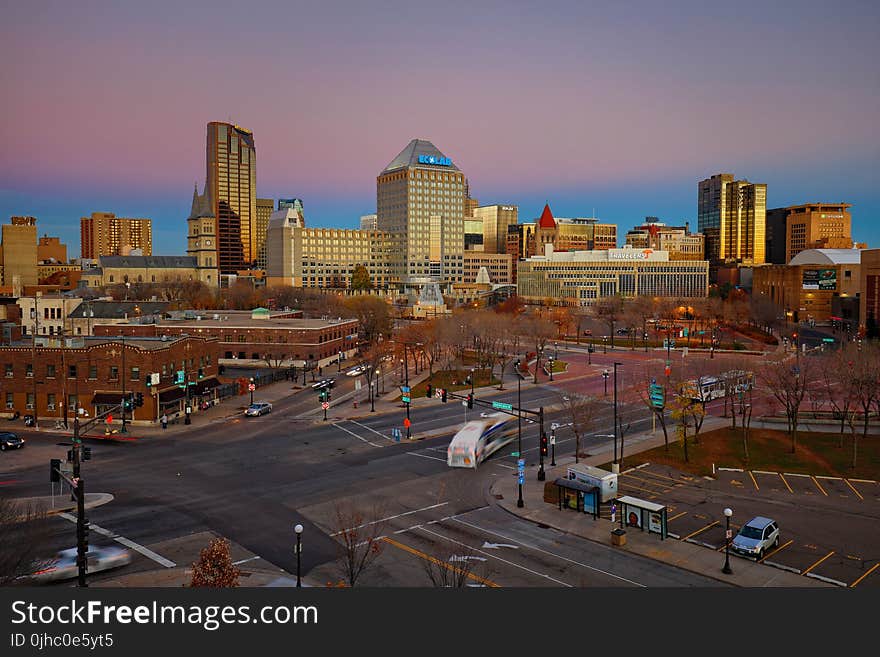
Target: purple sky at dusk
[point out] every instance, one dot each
(618, 108)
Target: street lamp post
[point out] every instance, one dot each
(339, 362)
(550, 358)
(605, 374)
(299, 530)
(556, 350)
(605, 343)
(553, 445)
(616, 364)
(519, 501)
(251, 386)
(372, 397)
(727, 570)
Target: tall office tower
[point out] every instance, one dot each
(19, 252)
(496, 219)
(809, 226)
(232, 190)
(732, 216)
(421, 193)
(265, 207)
(368, 222)
(105, 234)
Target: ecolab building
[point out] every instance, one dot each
(578, 278)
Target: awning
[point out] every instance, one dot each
(204, 386)
(102, 398)
(170, 395)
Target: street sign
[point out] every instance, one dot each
(520, 463)
(251, 387)
(521, 479)
(404, 388)
(552, 439)
(325, 405)
(407, 423)
(514, 453)
(656, 395)
(827, 339)
(502, 406)
(728, 534)
(405, 399)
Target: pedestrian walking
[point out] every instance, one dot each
(164, 421)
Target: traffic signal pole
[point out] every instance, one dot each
(542, 438)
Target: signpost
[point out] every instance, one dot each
(325, 406)
(501, 406)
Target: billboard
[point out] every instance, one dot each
(819, 279)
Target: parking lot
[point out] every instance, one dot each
(828, 525)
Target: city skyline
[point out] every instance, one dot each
(540, 111)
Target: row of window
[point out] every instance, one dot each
(51, 372)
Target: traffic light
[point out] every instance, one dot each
(54, 470)
(470, 400)
(543, 444)
(86, 453)
(139, 400)
(443, 395)
(429, 391)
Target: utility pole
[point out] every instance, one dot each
(124, 430)
(541, 474)
(82, 539)
(615, 465)
(34, 358)
(406, 374)
(519, 501)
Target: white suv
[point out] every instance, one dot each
(756, 537)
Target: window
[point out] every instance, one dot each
(8, 368)
(30, 401)
(241, 338)
(10, 400)
(71, 371)
(50, 402)
(93, 372)
(50, 371)
(29, 370)
(135, 373)
(114, 372)
(72, 402)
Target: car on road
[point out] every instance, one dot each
(324, 383)
(356, 371)
(63, 564)
(755, 537)
(258, 408)
(9, 440)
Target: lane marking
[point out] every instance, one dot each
(425, 456)
(871, 570)
(863, 481)
(399, 515)
(818, 485)
(795, 474)
(443, 564)
(677, 515)
(241, 561)
(784, 481)
(804, 572)
(355, 435)
(494, 556)
(378, 433)
(137, 547)
(701, 530)
(552, 554)
(779, 549)
(754, 481)
(853, 489)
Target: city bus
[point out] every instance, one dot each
(715, 387)
(479, 439)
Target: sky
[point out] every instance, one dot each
(606, 109)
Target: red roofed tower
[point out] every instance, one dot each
(547, 220)
(546, 232)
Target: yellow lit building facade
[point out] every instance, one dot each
(732, 215)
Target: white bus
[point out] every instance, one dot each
(712, 387)
(479, 439)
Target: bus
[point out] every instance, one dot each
(479, 439)
(715, 387)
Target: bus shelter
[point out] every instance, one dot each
(643, 514)
(580, 497)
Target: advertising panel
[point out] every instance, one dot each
(819, 279)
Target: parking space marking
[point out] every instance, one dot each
(691, 535)
(661, 476)
(646, 490)
(818, 485)
(805, 571)
(871, 570)
(677, 515)
(785, 482)
(754, 481)
(779, 549)
(854, 490)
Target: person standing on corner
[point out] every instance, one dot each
(164, 421)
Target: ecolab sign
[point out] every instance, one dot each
(431, 159)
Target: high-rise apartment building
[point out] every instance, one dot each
(421, 194)
(731, 214)
(265, 207)
(105, 234)
(809, 226)
(496, 219)
(19, 252)
(232, 193)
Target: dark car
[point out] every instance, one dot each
(9, 440)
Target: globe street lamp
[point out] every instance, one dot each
(550, 358)
(251, 387)
(726, 570)
(299, 530)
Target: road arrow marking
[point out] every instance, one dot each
(456, 557)
(493, 546)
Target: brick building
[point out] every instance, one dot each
(91, 373)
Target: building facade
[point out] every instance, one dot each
(869, 302)
(678, 241)
(811, 285)
(91, 312)
(105, 234)
(46, 314)
(421, 195)
(63, 377)
(499, 267)
(797, 228)
(579, 278)
(495, 221)
(732, 215)
(265, 208)
(369, 222)
(231, 181)
(19, 253)
(119, 270)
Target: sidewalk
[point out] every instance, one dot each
(746, 573)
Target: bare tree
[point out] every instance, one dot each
(24, 532)
(609, 310)
(538, 331)
(865, 382)
(374, 315)
(788, 382)
(580, 411)
(360, 536)
(458, 571)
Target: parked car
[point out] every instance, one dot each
(258, 408)
(63, 564)
(356, 371)
(324, 383)
(9, 440)
(588, 332)
(756, 537)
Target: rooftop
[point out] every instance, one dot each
(117, 309)
(828, 257)
(246, 321)
(420, 153)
